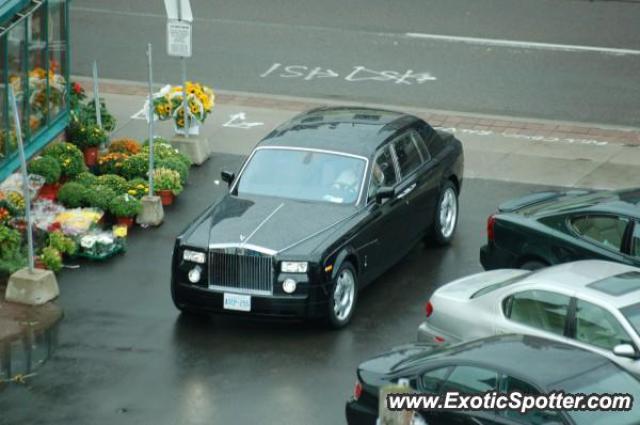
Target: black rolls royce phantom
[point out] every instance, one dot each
(323, 205)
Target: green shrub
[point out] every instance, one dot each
(174, 163)
(135, 166)
(100, 196)
(69, 157)
(47, 167)
(52, 258)
(86, 179)
(165, 179)
(163, 150)
(12, 257)
(125, 206)
(73, 195)
(117, 183)
(62, 243)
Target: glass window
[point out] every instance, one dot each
(39, 74)
(470, 379)
(605, 230)
(407, 154)
(3, 104)
(632, 313)
(57, 57)
(543, 310)
(383, 172)
(433, 379)
(303, 175)
(596, 326)
(16, 63)
(532, 417)
(422, 147)
(635, 240)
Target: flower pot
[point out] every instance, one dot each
(90, 156)
(166, 197)
(49, 191)
(39, 264)
(125, 221)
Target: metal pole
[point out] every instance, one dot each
(184, 83)
(151, 114)
(25, 176)
(96, 93)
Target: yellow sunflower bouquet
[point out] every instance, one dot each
(169, 103)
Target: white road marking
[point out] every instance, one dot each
(523, 44)
(239, 120)
(526, 137)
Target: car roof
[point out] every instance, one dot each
(548, 362)
(625, 202)
(347, 129)
(597, 279)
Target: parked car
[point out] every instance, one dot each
(322, 206)
(548, 228)
(503, 363)
(593, 304)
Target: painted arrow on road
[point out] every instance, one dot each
(239, 120)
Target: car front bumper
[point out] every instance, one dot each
(310, 306)
(492, 257)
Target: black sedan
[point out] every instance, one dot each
(323, 205)
(495, 364)
(548, 228)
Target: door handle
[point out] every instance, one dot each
(407, 191)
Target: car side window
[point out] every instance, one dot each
(604, 230)
(471, 379)
(542, 310)
(596, 326)
(532, 417)
(635, 240)
(383, 172)
(433, 379)
(422, 146)
(407, 153)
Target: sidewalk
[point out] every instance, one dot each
(497, 148)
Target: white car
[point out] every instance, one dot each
(592, 304)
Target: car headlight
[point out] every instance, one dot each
(194, 256)
(294, 266)
(195, 274)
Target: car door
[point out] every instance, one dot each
(633, 246)
(595, 327)
(598, 236)
(412, 190)
(509, 384)
(380, 238)
(535, 312)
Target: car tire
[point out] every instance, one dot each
(343, 296)
(445, 221)
(533, 265)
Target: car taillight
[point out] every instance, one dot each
(491, 222)
(357, 390)
(429, 309)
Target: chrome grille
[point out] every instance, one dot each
(241, 270)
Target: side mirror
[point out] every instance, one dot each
(227, 176)
(625, 350)
(383, 193)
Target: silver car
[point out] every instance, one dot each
(592, 304)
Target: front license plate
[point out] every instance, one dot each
(237, 302)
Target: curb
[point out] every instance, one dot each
(535, 129)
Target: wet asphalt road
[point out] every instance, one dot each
(127, 357)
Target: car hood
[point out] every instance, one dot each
(273, 223)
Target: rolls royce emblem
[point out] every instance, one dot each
(241, 237)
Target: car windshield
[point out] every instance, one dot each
(632, 313)
(306, 175)
(606, 378)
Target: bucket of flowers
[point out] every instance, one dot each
(125, 208)
(169, 104)
(49, 169)
(168, 184)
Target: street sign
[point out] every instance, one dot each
(179, 38)
(178, 10)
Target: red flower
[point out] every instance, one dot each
(54, 226)
(77, 88)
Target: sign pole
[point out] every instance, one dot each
(96, 100)
(185, 102)
(26, 193)
(150, 118)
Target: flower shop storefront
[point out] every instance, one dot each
(34, 61)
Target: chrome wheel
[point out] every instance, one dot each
(344, 294)
(448, 212)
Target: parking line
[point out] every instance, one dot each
(522, 44)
